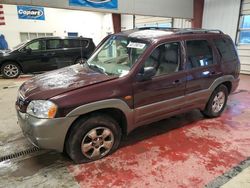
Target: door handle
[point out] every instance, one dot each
(49, 54)
(177, 82)
(213, 73)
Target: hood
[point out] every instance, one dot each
(56, 82)
(4, 52)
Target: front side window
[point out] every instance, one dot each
(199, 54)
(54, 44)
(36, 46)
(117, 55)
(226, 49)
(244, 30)
(165, 59)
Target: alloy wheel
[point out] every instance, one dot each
(97, 143)
(11, 70)
(218, 102)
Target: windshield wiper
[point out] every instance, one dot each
(96, 68)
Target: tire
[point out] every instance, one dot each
(89, 135)
(10, 70)
(80, 60)
(217, 102)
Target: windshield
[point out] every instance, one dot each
(117, 55)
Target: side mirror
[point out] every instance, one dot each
(147, 74)
(28, 50)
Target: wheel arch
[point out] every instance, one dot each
(11, 60)
(228, 84)
(226, 80)
(114, 108)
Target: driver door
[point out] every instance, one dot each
(164, 93)
(33, 58)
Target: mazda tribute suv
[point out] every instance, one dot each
(133, 78)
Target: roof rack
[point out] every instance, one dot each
(194, 30)
(155, 28)
(183, 30)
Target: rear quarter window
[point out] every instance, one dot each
(226, 49)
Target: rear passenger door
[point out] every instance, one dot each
(202, 67)
(74, 49)
(55, 53)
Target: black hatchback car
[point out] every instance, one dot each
(45, 54)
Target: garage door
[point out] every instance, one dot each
(244, 37)
(150, 21)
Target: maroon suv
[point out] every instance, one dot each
(133, 78)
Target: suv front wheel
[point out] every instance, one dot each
(217, 102)
(93, 138)
(10, 70)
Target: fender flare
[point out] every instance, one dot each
(104, 104)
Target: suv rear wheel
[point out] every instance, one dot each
(93, 138)
(217, 102)
(10, 70)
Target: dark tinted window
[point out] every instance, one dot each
(74, 43)
(165, 58)
(199, 53)
(226, 49)
(71, 43)
(54, 44)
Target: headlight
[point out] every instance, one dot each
(42, 109)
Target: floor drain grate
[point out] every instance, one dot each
(19, 154)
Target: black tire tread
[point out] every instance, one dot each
(208, 110)
(6, 63)
(81, 127)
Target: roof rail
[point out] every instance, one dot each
(155, 28)
(197, 30)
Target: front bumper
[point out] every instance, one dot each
(45, 133)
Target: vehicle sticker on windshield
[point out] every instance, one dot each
(136, 45)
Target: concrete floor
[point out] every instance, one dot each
(183, 151)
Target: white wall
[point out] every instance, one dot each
(221, 14)
(59, 22)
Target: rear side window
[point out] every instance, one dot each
(199, 54)
(226, 49)
(74, 43)
(71, 43)
(54, 44)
